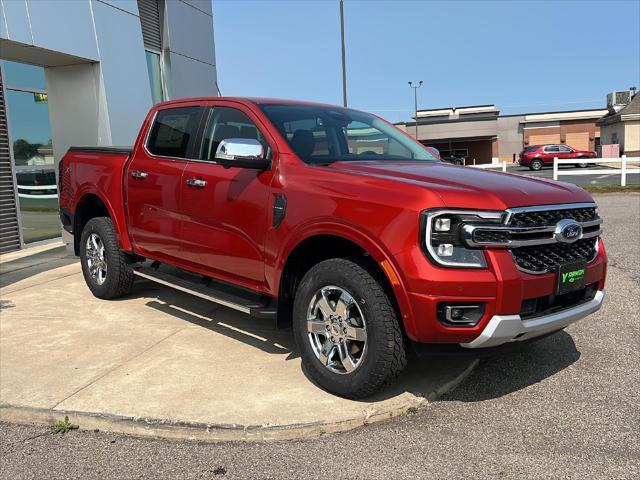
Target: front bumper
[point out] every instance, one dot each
(508, 328)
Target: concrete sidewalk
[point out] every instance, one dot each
(160, 362)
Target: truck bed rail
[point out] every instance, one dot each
(112, 150)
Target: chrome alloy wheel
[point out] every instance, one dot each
(96, 261)
(337, 330)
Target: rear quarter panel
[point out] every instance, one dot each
(99, 174)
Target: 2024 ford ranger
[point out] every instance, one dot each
(336, 222)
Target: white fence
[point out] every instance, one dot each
(623, 171)
(501, 165)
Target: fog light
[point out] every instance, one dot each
(443, 224)
(460, 315)
(445, 250)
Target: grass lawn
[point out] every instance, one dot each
(610, 188)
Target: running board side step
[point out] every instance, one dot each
(259, 306)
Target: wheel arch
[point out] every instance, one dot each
(92, 205)
(322, 244)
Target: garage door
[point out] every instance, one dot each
(579, 141)
(544, 139)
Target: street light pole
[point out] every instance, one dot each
(415, 102)
(344, 55)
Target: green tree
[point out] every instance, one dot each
(23, 150)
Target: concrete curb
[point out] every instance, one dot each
(165, 428)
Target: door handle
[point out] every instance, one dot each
(139, 174)
(196, 182)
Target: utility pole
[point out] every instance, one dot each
(344, 55)
(415, 102)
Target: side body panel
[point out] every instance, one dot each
(322, 202)
(100, 174)
(226, 220)
(153, 205)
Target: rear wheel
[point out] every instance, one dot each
(104, 266)
(536, 164)
(347, 330)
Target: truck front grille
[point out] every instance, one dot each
(546, 258)
(544, 218)
(533, 235)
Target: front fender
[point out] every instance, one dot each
(360, 237)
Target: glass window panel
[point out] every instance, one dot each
(23, 75)
(228, 123)
(321, 134)
(173, 130)
(155, 78)
(30, 134)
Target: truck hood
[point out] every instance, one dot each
(467, 187)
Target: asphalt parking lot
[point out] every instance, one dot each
(595, 179)
(564, 407)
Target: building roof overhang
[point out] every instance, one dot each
(564, 116)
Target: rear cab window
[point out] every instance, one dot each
(173, 132)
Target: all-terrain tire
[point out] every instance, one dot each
(119, 274)
(385, 354)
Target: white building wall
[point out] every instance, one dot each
(102, 40)
(189, 48)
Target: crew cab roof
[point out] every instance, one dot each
(254, 100)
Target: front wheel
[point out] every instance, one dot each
(104, 266)
(536, 164)
(347, 330)
(582, 165)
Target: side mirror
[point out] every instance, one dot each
(242, 153)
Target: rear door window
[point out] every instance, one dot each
(173, 132)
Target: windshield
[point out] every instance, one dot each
(322, 135)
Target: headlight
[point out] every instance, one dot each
(443, 236)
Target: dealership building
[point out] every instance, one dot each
(480, 134)
(86, 72)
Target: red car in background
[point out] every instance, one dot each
(537, 156)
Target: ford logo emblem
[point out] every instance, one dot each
(567, 231)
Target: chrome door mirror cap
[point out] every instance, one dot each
(242, 153)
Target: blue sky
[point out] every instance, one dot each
(523, 56)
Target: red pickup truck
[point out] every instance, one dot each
(333, 221)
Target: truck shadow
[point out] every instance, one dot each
(255, 332)
(493, 377)
(507, 373)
